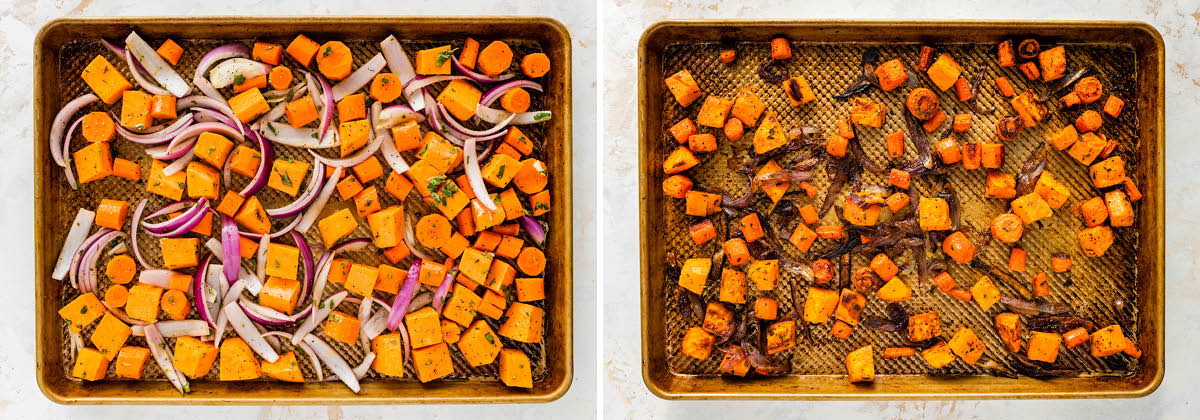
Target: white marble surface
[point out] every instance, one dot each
(19, 23)
(622, 23)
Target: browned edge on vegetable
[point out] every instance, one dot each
(51, 221)
(1149, 50)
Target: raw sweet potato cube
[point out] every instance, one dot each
(105, 80)
(424, 327)
(432, 362)
(387, 226)
(479, 345)
(524, 323)
(90, 365)
(515, 369)
(461, 306)
(110, 335)
(283, 260)
(83, 311)
(193, 357)
(130, 361)
(336, 226)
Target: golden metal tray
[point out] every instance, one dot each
(63, 48)
(1129, 57)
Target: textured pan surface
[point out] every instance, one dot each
(829, 68)
(829, 60)
(74, 56)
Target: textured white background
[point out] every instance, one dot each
(625, 396)
(19, 23)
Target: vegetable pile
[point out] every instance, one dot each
(917, 216)
(463, 237)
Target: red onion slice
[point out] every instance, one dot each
(156, 66)
(262, 256)
(336, 364)
(226, 72)
(162, 355)
(398, 63)
(133, 228)
(217, 103)
(140, 78)
(497, 129)
(174, 222)
(479, 77)
(443, 289)
(270, 317)
(229, 297)
(306, 198)
(162, 136)
(231, 247)
(304, 138)
(314, 210)
(187, 225)
(400, 304)
(162, 152)
(361, 77)
(495, 116)
(285, 95)
(156, 277)
(175, 328)
(84, 219)
(60, 125)
(306, 260)
(396, 115)
(87, 265)
(200, 295)
(264, 166)
(324, 265)
(245, 329)
(391, 155)
(474, 176)
(420, 82)
(231, 50)
(534, 228)
(80, 253)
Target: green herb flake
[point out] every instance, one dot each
(541, 206)
(490, 339)
(83, 310)
(500, 172)
(239, 79)
(445, 55)
(328, 50)
(541, 116)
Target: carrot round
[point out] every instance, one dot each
(898, 352)
(1075, 337)
(531, 261)
(175, 304)
(386, 87)
(516, 100)
(734, 129)
(494, 59)
(120, 269)
(98, 126)
(280, 77)
(535, 65)
(1007, 227)
(334, 60)
(433, 231)
(116, 296)
(959, 294)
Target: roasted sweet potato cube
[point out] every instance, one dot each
(1108, 341)
(733, 286)
(718, 319)
(967, 345)
(697, 343)
(939, 355)
(924, 326)
(1054, 192)
(985, 293)
(850, 306)
(714, 111)
(1008, 326)
(781, 336)
(683, 86)
(820, 305)
(1043, 346)
(860, 364)
(747, 107)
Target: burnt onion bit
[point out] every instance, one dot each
(1028, 49)
(1009, 126)
(773, 72)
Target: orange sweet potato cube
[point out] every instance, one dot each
(105, 80)
(90, 365)
(524, 323)
(479, 345)
(515, 369)
(683, 86)
(432, 362)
